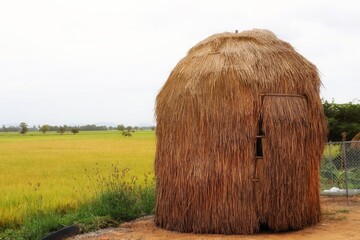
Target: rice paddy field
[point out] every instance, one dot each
(40, 172)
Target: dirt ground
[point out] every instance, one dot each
(339, 221)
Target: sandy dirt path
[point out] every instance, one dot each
(339, 222)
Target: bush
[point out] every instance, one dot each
(75, 130)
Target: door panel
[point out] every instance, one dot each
(283, 170)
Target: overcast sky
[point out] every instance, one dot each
(82, 61)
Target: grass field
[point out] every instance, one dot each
(41, 172)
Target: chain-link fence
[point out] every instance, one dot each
(340, 169)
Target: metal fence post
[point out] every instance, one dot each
(345, 168)
(331, 164)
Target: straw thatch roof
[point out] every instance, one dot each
(209, 114)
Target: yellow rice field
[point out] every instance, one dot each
(40, 172)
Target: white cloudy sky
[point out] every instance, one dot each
(83, 61)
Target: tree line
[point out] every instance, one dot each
(24, 128)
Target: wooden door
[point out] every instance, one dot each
(281, 173)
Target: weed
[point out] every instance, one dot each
(342, 210)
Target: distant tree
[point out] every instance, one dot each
(75, 130)
(53, 128)
(129, 128)
(136, 128)
(101, 128)
(92, 127)
(62, 129)
(44, 128)
(111, 128)
(153, 128)
(120, 127)
(13, 129)
(5, 130)
(23, 128)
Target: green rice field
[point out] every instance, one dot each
(41, 172)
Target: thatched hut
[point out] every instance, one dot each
(240, 133)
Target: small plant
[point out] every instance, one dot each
(126, 133)
(329, 173)
(342, 211)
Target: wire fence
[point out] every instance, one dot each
(340, 169)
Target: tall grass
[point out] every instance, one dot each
(53, 173)
(119, 199)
